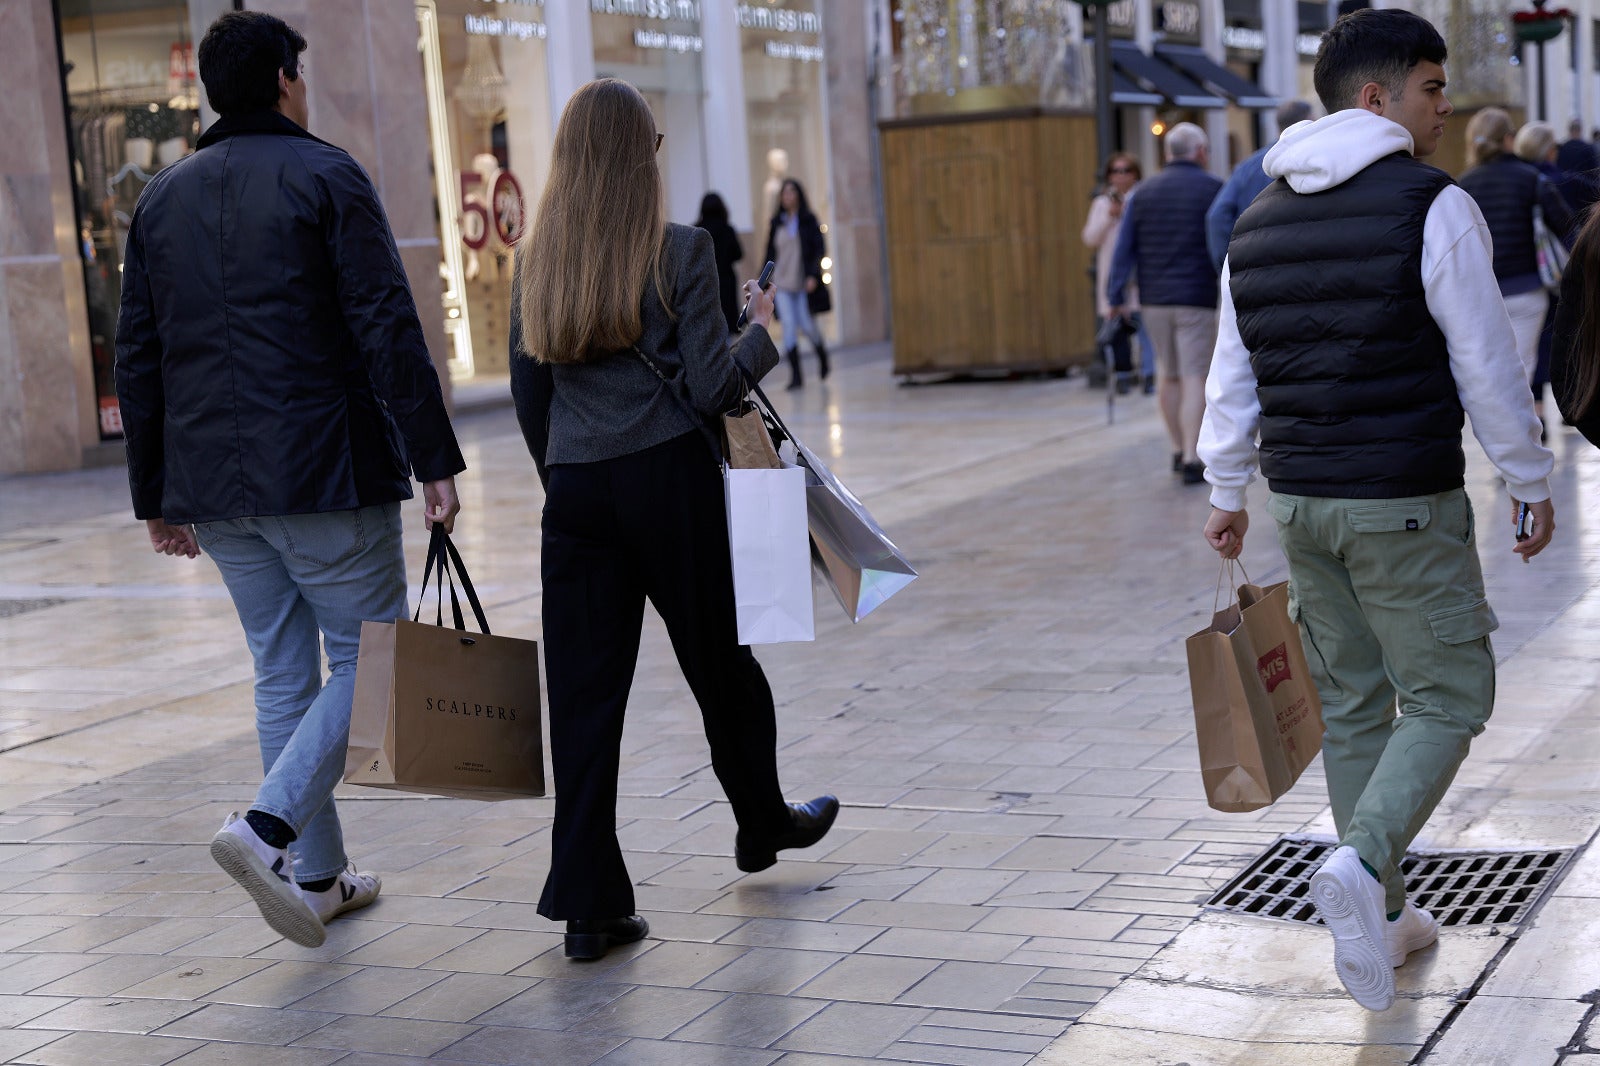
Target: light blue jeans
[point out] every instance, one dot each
(794, 315)
(295, 578)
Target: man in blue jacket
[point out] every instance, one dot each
(1163, 238)
(1244, 185)
(277, 396)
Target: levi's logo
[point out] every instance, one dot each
(1274, 667)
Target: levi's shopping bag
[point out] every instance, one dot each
(1257, 715)
(444, 710)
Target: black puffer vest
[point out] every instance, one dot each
(1357, 399)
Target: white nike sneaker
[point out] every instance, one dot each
(1350, 901)
(350, 891)
(266, 873)
(1413, 930)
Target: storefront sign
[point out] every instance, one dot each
(1120, 17)
(778, 19)
(1179, 21)
(668, 42)
(679, 10)
(1244, 39)
(805, 53)
(494, 26)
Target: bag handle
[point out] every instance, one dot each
(699, 423)
(1225, 573)
(442, 554)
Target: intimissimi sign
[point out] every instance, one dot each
(674, 10)
(778, 19)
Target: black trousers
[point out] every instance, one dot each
(648, 525)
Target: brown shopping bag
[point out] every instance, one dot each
(1257, 716)
(444, 710)
(747, 443)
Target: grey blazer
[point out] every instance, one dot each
(614, 405)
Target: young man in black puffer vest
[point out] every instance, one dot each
(1360, 321)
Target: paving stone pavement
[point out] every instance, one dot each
(1023, 824)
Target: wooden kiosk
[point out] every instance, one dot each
(984, 212)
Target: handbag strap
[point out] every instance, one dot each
(699, 423)
(442, 554)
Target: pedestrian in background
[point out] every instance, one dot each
(1100, 229)
(1535, 145)
(277, 393)
(725, 245)
(1163, 241)
(1244, 185)
(1506, 190)
(1357, 390)
(795, 244)
(1578, 162)
(619, 356)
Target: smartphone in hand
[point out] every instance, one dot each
(761, 283)
(1524, 521)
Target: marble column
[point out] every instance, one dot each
(47, 401)
(855, 240)
(364, 83)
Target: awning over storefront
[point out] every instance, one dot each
(1125, 93)
(1164, 79)
(1202, 68)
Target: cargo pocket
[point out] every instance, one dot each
(1464, 659)
(1327, 690)
(1405, 517)
(1463, 623)
(1281, 508)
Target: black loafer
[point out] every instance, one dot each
(591, 938)
(811, 823)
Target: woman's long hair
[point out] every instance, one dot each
(1486, 135)
(598, 233)
(1584, 364)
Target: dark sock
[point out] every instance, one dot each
(1394, 916)
(319, 886)
(273, 831)
(1367, 866)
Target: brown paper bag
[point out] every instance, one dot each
(1257, 715)
(446, 711)
(747, 443)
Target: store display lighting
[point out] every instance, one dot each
(1157, 128)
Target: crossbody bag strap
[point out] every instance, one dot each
(699, 423)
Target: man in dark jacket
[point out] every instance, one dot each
(1163, 239)
(1579, 163)
(1360, 322)
(1244, 185)
(277, 395)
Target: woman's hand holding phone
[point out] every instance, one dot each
(759, 302)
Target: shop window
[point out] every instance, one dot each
(484, 70)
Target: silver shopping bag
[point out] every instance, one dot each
(767, 545)
(849, 549)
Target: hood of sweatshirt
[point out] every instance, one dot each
(1314, 156)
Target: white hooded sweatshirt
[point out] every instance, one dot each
(1462, 295)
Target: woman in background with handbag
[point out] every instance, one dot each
(795, 243)
(619, 353)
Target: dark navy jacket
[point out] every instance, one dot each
(1163, 240)
(1506, 190)
(269, 356)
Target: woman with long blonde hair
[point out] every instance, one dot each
(620, 358)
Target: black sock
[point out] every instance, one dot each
(273, 831)
(319, 886)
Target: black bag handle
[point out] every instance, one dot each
(442, 554)
(699, 423)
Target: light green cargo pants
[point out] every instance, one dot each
(1389, 597)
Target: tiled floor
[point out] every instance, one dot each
(1023, 824)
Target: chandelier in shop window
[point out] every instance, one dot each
(481, 92)
(955, 46)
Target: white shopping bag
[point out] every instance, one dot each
(771, 554)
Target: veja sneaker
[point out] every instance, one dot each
(264, 872)
(1351, 901)
(350, 891)
(1413, 930)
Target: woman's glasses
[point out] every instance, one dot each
(659, 138)
(1114, 170)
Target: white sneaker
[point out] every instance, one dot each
(1351, 901)
(1413, 930)
(350, 891)
(265, 872)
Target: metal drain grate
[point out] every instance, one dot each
(1459, 887)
